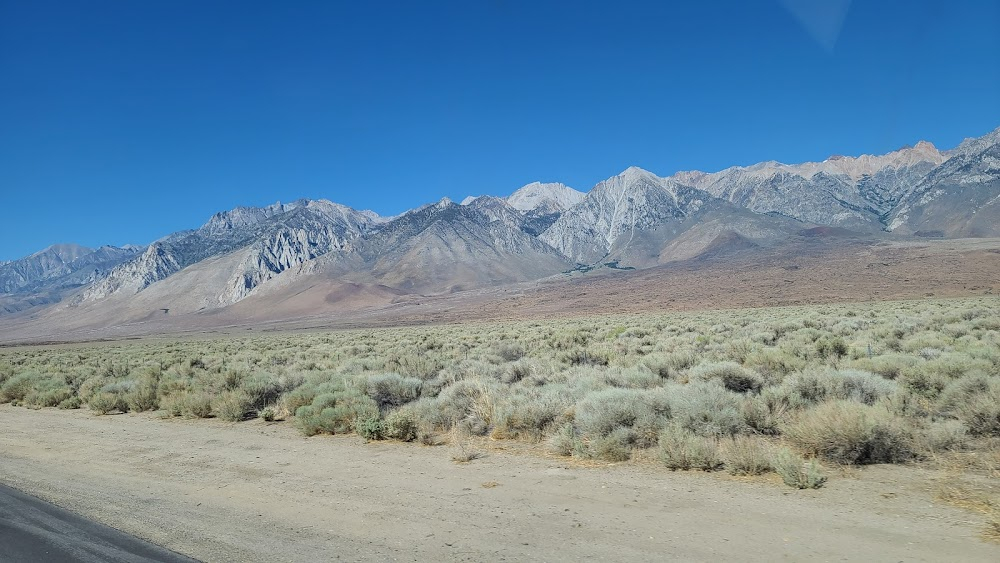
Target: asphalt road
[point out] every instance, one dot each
(37, 531)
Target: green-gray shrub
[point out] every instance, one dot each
(311, 420)
(889, 366)
(814, 386)
(981, 413)
(679, 448)
(263, 388)
(615, 447)
(469, 399)
(600, 413)
(233, 405)
(659, 364)
(189, 404)
(71, 403)
(960, 391)
(733, 376)
(517, 371)
(954, 365)
(564, 441)
(335, 412)
(707, 409)
(298, 397)
(419, 365)
(948, 435)
(49, 397)
(391, 390)
(831, 347)
(401, 425)
(761, 416)
(528, 414)
(923, 382)
(510, 351)
(863, 387)
(747, 455)
(144, 393)
(105, 402)
(370, 426)
(634, 377)
(773, 364)
(796, 471)
(852, 433)
(17, 387)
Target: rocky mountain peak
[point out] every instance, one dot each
(548, 197)
(245, 217)
(64, 252)
(976, 144)
(635, 174)
(632, 201)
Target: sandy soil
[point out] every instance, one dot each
(260, 492)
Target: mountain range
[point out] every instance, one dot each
(272, 257)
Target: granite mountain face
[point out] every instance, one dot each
(540, 203)
(446, 248)
(60, 265)
(51, 274)
(959, 198)
(635, 219)
(617, 209)
(270, 240)
(848, 192)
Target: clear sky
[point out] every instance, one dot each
(123, 121)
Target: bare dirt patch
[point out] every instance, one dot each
(260, 492)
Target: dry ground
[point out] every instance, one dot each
(260, 492)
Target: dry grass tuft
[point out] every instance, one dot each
(974, 495)
(465, 455)
(462, 450)
(748, 455)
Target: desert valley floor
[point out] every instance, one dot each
(892, 332)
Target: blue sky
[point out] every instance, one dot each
(123, 121)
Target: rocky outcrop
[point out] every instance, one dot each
(851, 192)
(274, 238)
(619, 207)
(156, 263)
(310, 231)
(58, 266)
(446, 247)
(960, 198)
